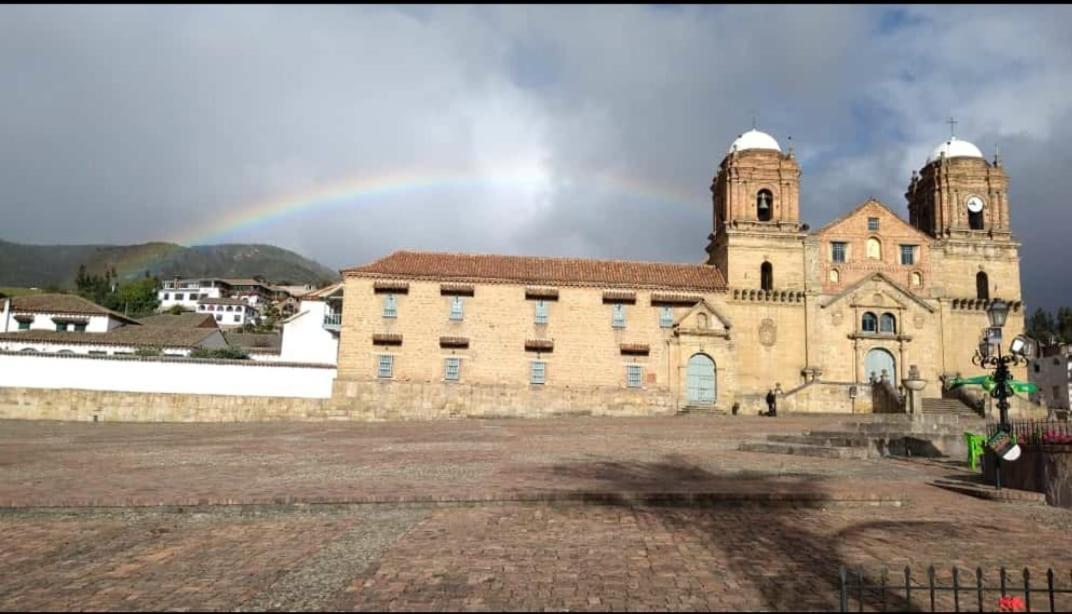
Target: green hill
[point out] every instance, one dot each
(56, 265)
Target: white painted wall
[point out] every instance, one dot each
(180, 376)
(190, 296)
(230, 315)
(306, 340)
(43, 321)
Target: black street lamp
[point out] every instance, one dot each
(989, 355)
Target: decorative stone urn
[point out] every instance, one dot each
(914, 385)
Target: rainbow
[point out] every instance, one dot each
(368, 190)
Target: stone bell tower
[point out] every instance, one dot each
(757, 241)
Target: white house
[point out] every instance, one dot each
(312, 334)
(125, 340)
(229, 312)
(58, 312)
(186, 292)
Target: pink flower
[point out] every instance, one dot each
(1011, 603)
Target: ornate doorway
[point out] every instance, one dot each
(700, 380)
(879, 360)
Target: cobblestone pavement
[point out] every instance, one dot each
(485, 554)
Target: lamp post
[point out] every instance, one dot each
(989, 355)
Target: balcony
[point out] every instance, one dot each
(333, 321)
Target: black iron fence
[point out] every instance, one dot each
(1035, 432)
(953, 592)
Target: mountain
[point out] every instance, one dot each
(56, 265)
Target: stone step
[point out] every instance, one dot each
(850, 440)
(986, 491)
(803, 450)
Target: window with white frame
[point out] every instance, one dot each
(538, 372)
(390, 306)
(666, 317)
(386, 366)
(634, 375)
(456, 308)
(837, 251)
(452, 369)
(618, 321)
(541, 311)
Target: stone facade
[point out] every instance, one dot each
(773, 308)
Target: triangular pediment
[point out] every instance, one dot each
(693, 319)
(872, 207)
(877, 290)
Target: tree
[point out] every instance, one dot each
(1041, 326)
(136, 298)
(1064, 324)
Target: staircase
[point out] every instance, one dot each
(946, 407)
(938, 435)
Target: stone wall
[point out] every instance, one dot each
(1046, 469)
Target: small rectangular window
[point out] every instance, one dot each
(837, 251)
(237, 318)
(452, 369)
(79, 328)
(386, 366)
(541, 311)
(634, 375)
(908, 254)
(390, 307)
(24, 325)
(166, 295)
(619, 316)
(456, 308)
(178, 296)
(666, 317)
(61, 327)
(538, 373)
(872, 223)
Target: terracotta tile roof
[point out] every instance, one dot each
(254, 341)
(456, 290)
(180, 320)
(221, 301)
(674, 299)
(453, 342)
(544, 293)
(63, 303)
(386, 339)
(539, 345)
(635, 348)
(321, 293)
(157, 336)
(534, 270)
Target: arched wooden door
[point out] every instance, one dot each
(701, 387)
(877, 361)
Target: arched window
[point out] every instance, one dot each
(982, 286)
(764, 205)
(835, 276)
(917, 278)
(874, 248)
(975, 220)
(888, 323)
(870, 323)
(766, 276)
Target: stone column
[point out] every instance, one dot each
(914, 385)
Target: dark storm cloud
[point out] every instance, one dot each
(126, 124)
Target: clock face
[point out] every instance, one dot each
(975, 204)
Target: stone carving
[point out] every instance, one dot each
(768, 332)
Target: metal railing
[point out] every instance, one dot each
(972, 593)
(1035, 432)
(332, 320)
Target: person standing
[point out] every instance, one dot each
(772, 410)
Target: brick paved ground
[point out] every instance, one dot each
(479, 555)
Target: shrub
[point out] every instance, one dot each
(227, 353)
(147, 351)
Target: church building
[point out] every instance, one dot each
(832, 318)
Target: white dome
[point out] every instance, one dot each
(955, 148)
(754, 139)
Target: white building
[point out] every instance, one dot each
(229, 312)
(1052, 373)
(58, 312)
(186, 292)
(312, 334)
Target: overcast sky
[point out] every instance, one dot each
(582, 131)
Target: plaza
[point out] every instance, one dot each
(573, 513)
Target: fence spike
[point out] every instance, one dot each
(860, 579)
(956, 588)
(979, 586)
(908, 586)
(1049, 585)
(930, 583)
(1027, 589)
(1001, 574)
